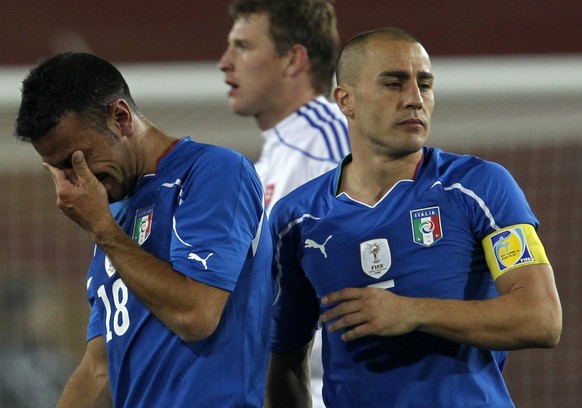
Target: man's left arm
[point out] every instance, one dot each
(527, 313)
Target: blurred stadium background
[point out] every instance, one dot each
(508, 88)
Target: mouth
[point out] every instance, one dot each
(233, 87)
(413, 122)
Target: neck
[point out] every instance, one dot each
(151, 145)
(291, 100)
(368, 179)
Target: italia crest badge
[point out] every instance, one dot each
(375, 257)
(426, 225)
(142, 226)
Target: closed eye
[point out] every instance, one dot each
(393, 85)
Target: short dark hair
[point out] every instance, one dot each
(66, 83)
(311, 23)
(348, 60)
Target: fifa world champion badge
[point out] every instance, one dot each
(142, 227)
(426, 225)
(375, 257)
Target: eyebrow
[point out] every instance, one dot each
(403, 75)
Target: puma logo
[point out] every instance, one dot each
(196, 257)
(309, 243)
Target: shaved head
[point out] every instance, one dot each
(352, 55)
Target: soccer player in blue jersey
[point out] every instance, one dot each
(424, 266)
(279, 65)
(179, 285)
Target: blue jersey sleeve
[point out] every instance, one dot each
(295, 307)
(94, 327)
(492, 197)
(219, 215)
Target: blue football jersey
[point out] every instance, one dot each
(422, 239)
(203, 212)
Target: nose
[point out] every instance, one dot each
(413, 97)
(225, 63)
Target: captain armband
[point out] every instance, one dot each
(512, 247)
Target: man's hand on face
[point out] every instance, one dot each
(81, 197)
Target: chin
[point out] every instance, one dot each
(241, 110)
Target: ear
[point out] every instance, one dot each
(344, 99)
(121, 117)
(298, 60)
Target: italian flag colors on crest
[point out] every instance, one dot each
(142, 226)
(426, 225)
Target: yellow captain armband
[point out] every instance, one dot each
(512, 247)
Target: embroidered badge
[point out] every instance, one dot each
(142, 226)
(109, 268)
(510, 248)
(375, 257)
(426, 225)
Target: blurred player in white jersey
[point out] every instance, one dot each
(279, 65)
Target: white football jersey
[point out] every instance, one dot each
(306, 144)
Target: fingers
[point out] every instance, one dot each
(345, 321)
(356, 324)
(80, 165)
(341, 296)
(59, 177)
(54, 172)
(357, 311)
(345, 301)
(357, 332)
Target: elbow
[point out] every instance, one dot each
(549, 339)
(549, 328)
(193, 328)
(553, 333)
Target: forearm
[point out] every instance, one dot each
(288, 380)
(80, 393)
(88, 386)
(485, 324)
(188, 308)
(526, 315)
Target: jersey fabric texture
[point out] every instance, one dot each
(422, 239)
(203, 212)
(306, 144)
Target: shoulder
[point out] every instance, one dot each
(322, 108)
(454, 167)
(317, 130)
(189, 147)
(190, 153)
(319, 113)
(313, 196)
(191, 161)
